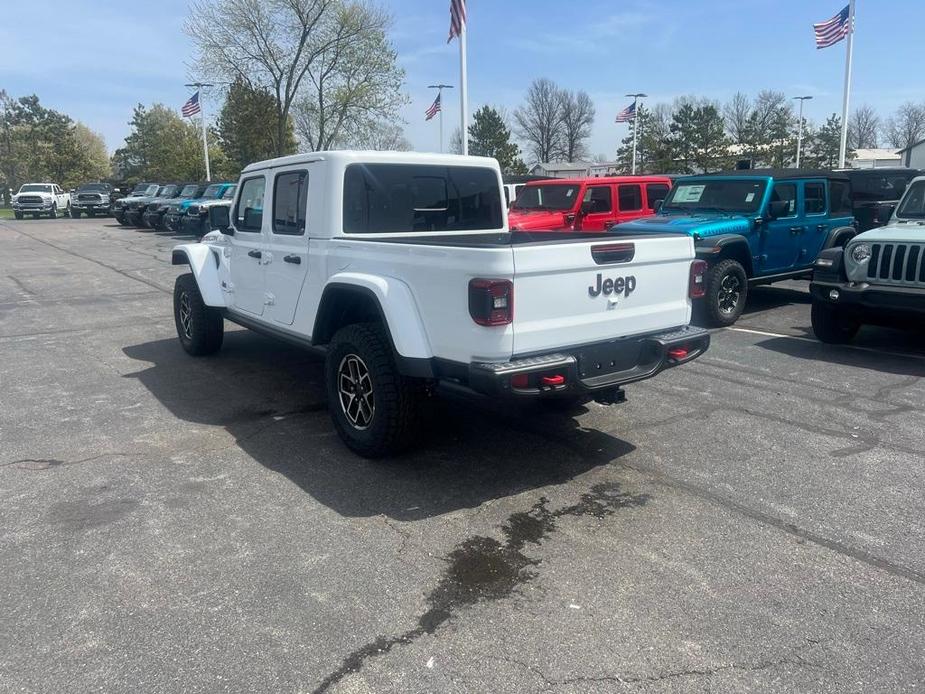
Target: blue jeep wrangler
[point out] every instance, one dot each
(753, 227)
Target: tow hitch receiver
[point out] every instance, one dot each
(610, 396)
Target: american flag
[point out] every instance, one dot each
(627, 114)
(830, 32)
(457, 18)
(433, 110)
(191, 107)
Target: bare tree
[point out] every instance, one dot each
(355, 84)
(539, 122)
(906, 126)
(381, 137)
(736, 117)
(274, 44)
(577, 119)
(864, 128)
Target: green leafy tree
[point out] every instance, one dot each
(654, 146)
(246, 126)
(698, 138)
(162, 146)
(489, 136)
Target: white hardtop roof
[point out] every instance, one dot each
(345, 157)
(38, 184)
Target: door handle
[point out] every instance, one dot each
(255, 254)
(294, 259)
(796, 230)
(821, 227)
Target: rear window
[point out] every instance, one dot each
(397, 198)
(879, 187)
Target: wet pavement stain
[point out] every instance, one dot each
(483, 568)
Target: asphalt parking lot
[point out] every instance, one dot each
(752, 522)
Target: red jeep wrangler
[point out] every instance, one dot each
(585, 204)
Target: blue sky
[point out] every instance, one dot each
(101, 58)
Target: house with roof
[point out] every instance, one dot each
(913, 156)
(562, 169)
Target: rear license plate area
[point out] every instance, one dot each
(609, 358)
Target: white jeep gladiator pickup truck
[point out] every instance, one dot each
(400, 269)
(41, 198)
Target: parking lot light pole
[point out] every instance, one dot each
(636, 98)
(801, 99)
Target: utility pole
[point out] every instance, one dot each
(636, 98)
(440, 88)
(801, 99)
(202, 114)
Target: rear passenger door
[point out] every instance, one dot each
(287, 256)
(816, 221)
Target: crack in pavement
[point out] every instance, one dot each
(482, 568)
(50, 463)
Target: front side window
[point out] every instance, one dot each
(814, 198)
(401, 198)
(553, 196)
(290, 197)
(248, 214)
(913, 203)
(598, 199)
(630, 198)
(786, 192)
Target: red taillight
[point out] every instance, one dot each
(697, 287)
(678, 353)
(491, 302)
(520, 381)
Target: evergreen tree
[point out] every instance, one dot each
(246, 126)
(822, 147)
(489, 136)
(699, 139)
(654, 152)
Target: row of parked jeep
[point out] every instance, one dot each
(752, 227)
(178, 207)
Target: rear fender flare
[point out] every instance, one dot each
(733, 246)
(396, 306)
(203, 261)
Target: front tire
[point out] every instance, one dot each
(831, 325)
(200, 328)
(726, 293)
(75, 214)
(54, 211)
(18, 215)
(376, 410)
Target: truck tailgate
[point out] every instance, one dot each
(578, 292)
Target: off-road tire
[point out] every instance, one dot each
(54, 211)
(18, 215)
(206, 328)
(720, 280)
(831, 325)
(75, 214)
(396, 402)
(35, 215)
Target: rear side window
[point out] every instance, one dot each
(655, 192)
(630, 198)
(397, 198)
(290, 199)
(814, 198)
(248, 213)
(840, 193)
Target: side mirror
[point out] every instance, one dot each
(778, 208)
(220, 218)
(657, 205)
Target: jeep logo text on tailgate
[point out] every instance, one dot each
(618, 285)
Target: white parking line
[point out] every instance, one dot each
(809, 339)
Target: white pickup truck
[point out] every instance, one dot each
(41, 198)
(400, 269)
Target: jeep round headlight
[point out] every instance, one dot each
(860, 252)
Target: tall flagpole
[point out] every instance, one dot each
(842, 150)
(202, 113)
(464, 86)
(440, 88)
(636, 98)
